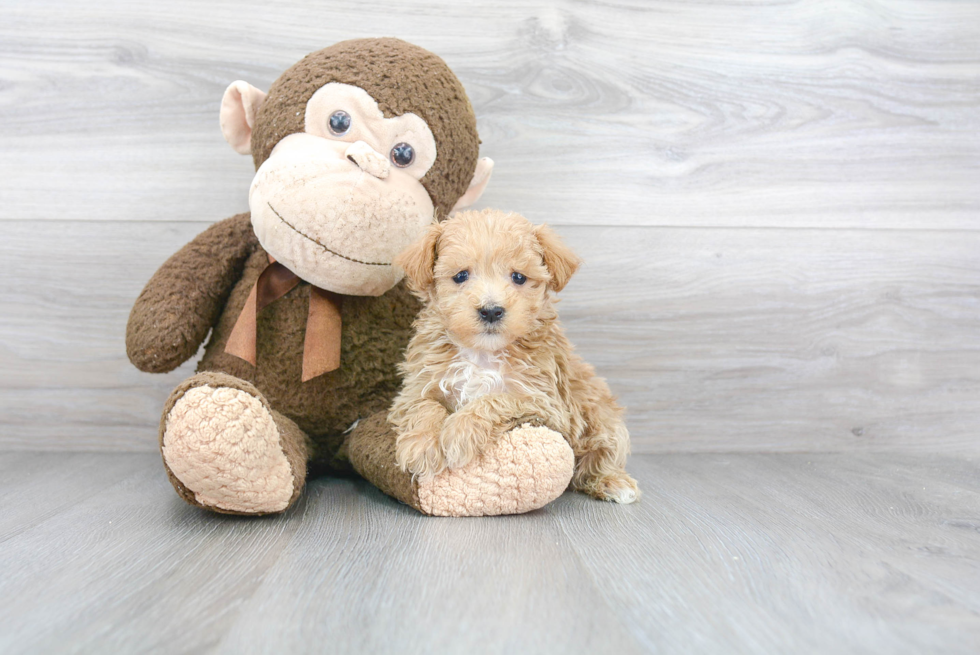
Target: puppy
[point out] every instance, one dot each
(488, 354)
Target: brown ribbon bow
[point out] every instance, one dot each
(321, 349)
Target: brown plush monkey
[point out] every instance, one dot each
(358, 147)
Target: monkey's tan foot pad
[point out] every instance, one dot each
(223, 445)
(526, 469)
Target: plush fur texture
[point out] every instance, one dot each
(202, 289)
(469, 380)
(371, 449)
(403, 78)
(207, 283)
(215, 485)
(374, 332)
(214, 432)
(185, 297)
(527, 468)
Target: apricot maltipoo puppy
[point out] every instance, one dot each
(488, 354)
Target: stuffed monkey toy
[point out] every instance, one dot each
(357, 149)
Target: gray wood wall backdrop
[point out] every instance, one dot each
(778, 202)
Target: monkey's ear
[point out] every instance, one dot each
(419, 260)
(560, 261)
(239, 106)
(484, 167)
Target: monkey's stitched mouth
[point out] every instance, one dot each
(309, 238)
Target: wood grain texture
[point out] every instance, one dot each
(632, 112)
(738, 553)
(806, 553)
(521, 590)
(37, 487)
(826, 340)
(714, 339)
(122, 557)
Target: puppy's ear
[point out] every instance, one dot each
(560, 261)
(419, 259)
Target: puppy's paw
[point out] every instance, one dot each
(618, 488)
(463, 439)
(419, 454)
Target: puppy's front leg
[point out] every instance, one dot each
(471, 429)
(417, 448)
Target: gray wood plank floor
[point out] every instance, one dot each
(726, 553)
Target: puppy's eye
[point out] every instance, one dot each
(339, 123)
(461, 277)
(518, 278)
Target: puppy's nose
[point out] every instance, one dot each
(491, 314)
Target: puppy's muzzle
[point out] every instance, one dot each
(491, 315)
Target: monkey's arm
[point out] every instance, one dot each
(184, 298)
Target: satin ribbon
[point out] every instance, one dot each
(321, 349)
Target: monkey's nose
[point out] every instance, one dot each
(491, 315)
(368, 159)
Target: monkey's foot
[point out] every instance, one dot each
(222, 448)
(524, 470)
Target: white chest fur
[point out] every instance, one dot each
(471, 374)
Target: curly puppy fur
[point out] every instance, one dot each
(489, 354)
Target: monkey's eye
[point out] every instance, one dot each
(461, 277)
(518, 278)
(340, 122)
(403, 155)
